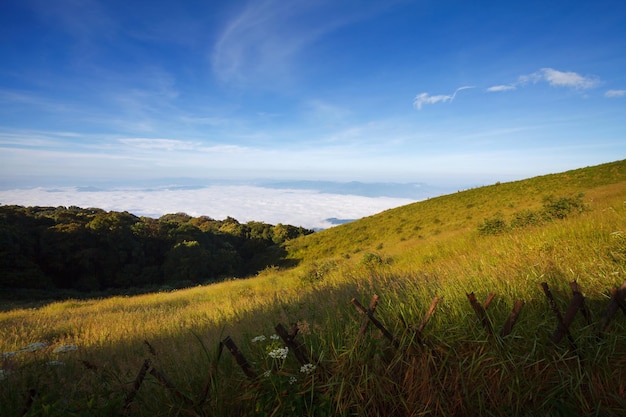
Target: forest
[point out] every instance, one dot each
(91, 250)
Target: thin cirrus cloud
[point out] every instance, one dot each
(425, 98)
(158, 144)
(615, 93)
(267, 38)
(257, 41)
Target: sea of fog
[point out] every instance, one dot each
(314, 205)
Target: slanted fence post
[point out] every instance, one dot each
(512, 319)
(370, 315)
(480, 310)
(561, 327)
(617, 302)
(241, 360)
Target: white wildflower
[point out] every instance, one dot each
(292, 380)
(267, 374)
(33, 347)
(307, 369)
(280, 353)
(65, 348)
(258, 339)
(274, 337)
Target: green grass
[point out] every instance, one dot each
(407, 256)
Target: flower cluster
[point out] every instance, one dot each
(279, 353)
(307, 368)
(258, 339)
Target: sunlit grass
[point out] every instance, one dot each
(406, 256)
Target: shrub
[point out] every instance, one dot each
(372, 260)
(493, 225)
(526, 218)
(317, 272)
(560, 208)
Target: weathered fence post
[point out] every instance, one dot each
(375, 322)
(480, 310)
(241, 360)
(512, 319)
(370, 310)
(617, 302)
(136, 385)
(290, 340)
(32, 393)
(428, 315)
(561, 328)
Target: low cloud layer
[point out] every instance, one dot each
(307, 208)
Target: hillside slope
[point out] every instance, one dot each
(509, 239)
(444, 217)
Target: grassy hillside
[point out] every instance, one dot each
(504, 238)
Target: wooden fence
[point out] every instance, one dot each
(289, 338)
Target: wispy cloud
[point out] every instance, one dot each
(266, 37)
(158, 144)
(615, 93)
(260, 38)
(555, 78)
(563, 79)
(498, 88)
(425, 98)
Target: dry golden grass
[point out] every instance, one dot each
(407, 256)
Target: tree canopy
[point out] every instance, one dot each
(90, 249)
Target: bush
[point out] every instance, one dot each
(317, 272)
(562, 207)
(526, 218)
(493, 225)
(372, 260)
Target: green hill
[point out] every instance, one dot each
(514, 240)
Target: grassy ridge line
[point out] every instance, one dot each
(447, 263)
(442, 217)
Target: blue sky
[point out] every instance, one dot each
(452, 92)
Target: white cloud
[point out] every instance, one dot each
(551, 76)
(560, 79)
(158, 144)
(425, 98)
(297, 207)
(498, 88)
(615, 93)
(568, 79)
(262, 39)
(265, 39)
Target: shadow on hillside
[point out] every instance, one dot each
(26, 298)
(175, 354)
